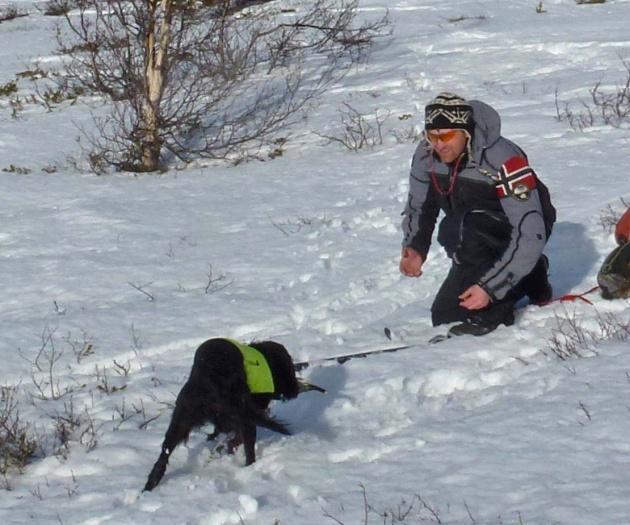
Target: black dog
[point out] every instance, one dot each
(231, 386)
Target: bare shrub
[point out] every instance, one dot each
(89, 433)
(8, 89)
(104, 384)
(570, 339)
(121, 369)
(19, 170)
(51, 96)
(417, 510)
(71, 425)
(610, 216)
(46, 89)
(36, 73)
(17, 106)
(613, 107)
(610, 108)
(142, 289)
(215, 283)
(217, 79)
(18, 444)
(293, 226)
(66, 423)
(45, 375)
(577, 121)
(11, 13)
(82, 347)
(359, 131)
(412, 133)
(57, 7)
(123, 413)
(613, 328)
(136, 340)
(463, 18)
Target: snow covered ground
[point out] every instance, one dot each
(120, 278)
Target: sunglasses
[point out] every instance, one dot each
(444, 136)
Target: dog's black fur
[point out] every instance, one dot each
(216, 392)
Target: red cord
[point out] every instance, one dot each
(453, 179)
(575, 297)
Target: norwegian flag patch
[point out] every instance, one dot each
(515, 179)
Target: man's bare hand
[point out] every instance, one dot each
(411, 263)
(474, 298)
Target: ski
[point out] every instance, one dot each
(435, 339)
(342, 358)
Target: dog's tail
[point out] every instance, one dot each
(187, 414)
(157, 472)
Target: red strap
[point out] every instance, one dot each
(575, 297)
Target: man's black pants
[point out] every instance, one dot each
(446, 308)
(475, 240)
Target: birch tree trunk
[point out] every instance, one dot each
(157, 42)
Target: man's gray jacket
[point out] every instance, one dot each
(496, 178)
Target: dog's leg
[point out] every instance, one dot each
(234, 442)
(248, 436)
(221, 426)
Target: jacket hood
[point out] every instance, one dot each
(487, 126)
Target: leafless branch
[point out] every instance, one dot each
(358, 130)
(189, 79)
(610, 107)
(213, 282)
(141, 289)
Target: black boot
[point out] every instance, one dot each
(536, 284)
(471, 328)
(482, 322)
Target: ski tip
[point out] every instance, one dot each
(438, 338)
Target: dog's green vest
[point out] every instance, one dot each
(257, 371)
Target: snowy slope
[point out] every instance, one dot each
(304, 250)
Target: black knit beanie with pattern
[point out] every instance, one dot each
(449, 111)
